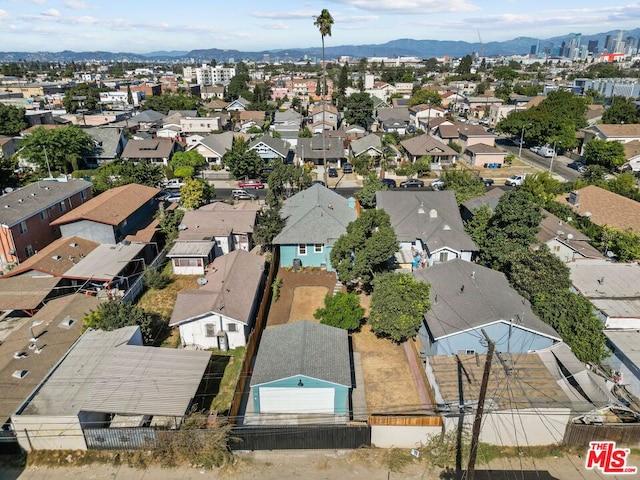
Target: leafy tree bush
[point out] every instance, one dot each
(341, 310)
(156, 279)
(607, 154)
(169, 221)
(62, 147)
(398, 304)
(12, 120)
(367, 195)
(243, 162)
(195, 193)
(112, 315)
(464, 184)
(184, 171)
(269, 224)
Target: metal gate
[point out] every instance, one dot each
(120, 438)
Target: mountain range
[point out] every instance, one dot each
(394, 48)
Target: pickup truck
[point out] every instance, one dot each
(515, 180)
(173, 183)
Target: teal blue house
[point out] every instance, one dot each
(467, 298)
(302, 368)
(315, 218)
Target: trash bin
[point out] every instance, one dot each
(297, 264)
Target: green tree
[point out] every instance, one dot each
(424, 97)
(168, 221)
(464, 184)
(608, 154)
(572, 316)
(184, 171)
(622, 110)
(595, 175)
(476, 227)
(324, 21)
(269, 224)
(243, 162)
(534, 272)
(367, 194)
(238, 87)
(129, 95)
(398, 304)
(84, 96)
(122, 172)
(171, 101)
(261, 98)
(359, 109)
(113, 315)
(364, 250)
(624, 184)
(62, 147)
(12, 120)
(341, 310)
(506, 74)
(543, 187)
(465, 65)
(196, 193)
(624, 244)
(187, 159)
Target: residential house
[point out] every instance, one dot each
(272, 148)
(208, 92)
(625, 358)
(26, 213)
(111, 216)
(623, 133)
(428, 226)
(288, 125)
(447, 131)
(213, 147)
(490, 198)
(393, 120)
(564, 241)
(315, 218)
(55, 327)
(203, 125)
(467, 298)
(206, 234)
(471, 135)
(612, 288)
(318, 149)
(370, 145)
(221, 313)
(108, 145)
(116, 381)
(440, 155)
(8, 146)
(249, 119)
(353, 132)
(149, 120)
(216, 105)
(480, 106)
(302, 373)
(421, 115)
(239, 105)
(324, 114)
(485, 156)
(632, 156)
(157, 151)
(28, 293)
(604, 208)
(451, 99)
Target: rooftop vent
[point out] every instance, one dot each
(20, 200)
(433, 213)
(57, 257)
(20, 374)
(20, 354)
(73, 245)
(446, 227)
(67, 322)
(421, 209)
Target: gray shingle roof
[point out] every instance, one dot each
(276, 144)
(432, 217)
(149, 116)
(427, 145)
(287, 116)
(487, 298)
(303, 348)
(218, 142)
(311, 148)
(27, 201)
(315, 215)
(365, 143)
(106, 141)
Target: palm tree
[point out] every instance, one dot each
(324, 22)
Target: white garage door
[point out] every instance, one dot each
(296, 400)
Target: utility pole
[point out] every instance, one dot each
(471, 467)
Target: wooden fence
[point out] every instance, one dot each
(406, 420)
(254, 338)
(580, 435)
(294, 437)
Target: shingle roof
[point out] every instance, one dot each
(606, 208)
(311, 148)
(487, 298)
(397, 113)
(287, 116)
(426, 145)
(27, 201)
(232, 283)
(25, 292)
(149, 116)
(206, 224)
(217, 142)
(154, 148)
(276, 144)
(365, 143)
(448, 131)
(467, 130)
(485, 149)
(432, 217)
(106, 140)
(112, 206)
(490, 199)
(315, 215)
(303, 348)
(622, 130)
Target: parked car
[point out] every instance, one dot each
(412, 182)
(242, 194)
(579, 166)
(517, 142)
(163, 195)
(332, 172)
(251, 183)
(535, 148)
(515, 180)
(487, 181)
(546, 151)
(437, 184)
(347, 168)
(174, 183)
(173, 197)
(389, 182)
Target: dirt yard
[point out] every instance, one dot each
(301, 294)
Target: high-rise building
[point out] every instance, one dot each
(607, 44)
(592, 46)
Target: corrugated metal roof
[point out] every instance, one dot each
(106, 261)
(191, 249)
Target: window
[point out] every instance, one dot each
(188, 262)
(232, 327)
(22, 227)
(83, 195)
(28, 250)
(317, 248)
(62, 207)
(44, 215)
(209, 330)
(302, 249)
(443, 257)
(466, 352)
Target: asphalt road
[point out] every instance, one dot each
(559, 162)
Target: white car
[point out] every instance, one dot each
(174, 183)
(515, 180)
(535, 148)
(437, 184)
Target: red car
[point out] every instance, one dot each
(253, 183)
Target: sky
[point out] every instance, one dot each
(142, 26)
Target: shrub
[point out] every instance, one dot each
(275, 286)
(156, 279)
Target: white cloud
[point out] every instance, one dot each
(52, 12)
(75, 4)
(403, 7)
(275, 26)
(300, 14)
(4, 14)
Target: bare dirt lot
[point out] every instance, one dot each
(306, 300)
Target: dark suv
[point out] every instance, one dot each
(389, 182)
(347, 168)
(332, 172)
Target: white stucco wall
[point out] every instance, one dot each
(195, 332)
(48, 432)
(386, 436)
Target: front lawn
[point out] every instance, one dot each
(230, 364)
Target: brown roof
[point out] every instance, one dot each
(252, 115)
(69, 249)
(328, 108)
(423, 106)
(448, 131)
(47, 126)
(631, 149)
(426, 145)
(206, 224)
(485, 149)
(53, 340)
(534, 101)
(434, 122)
(594, 111)
(216, 104)
(550, 226)
(606, 208)
(624, 130)
(154, 148)
(473, 131)
(231, 288)
(25, 292)
(112, 206)
(227, 207)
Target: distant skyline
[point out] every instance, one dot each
(143, 26)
